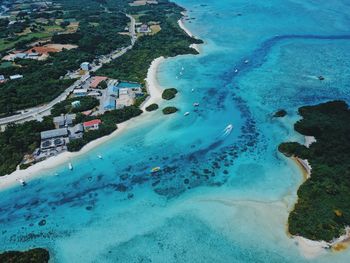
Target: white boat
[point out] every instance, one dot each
(187, 113)
(246, 61)
(196, 104)
(99, 156)
(228, 129)
(70, 166)
(22, 182)
(182, 68)
(192, 90)
(236, 70)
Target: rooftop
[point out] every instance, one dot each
(97, 80)
(54, 133)
(92, 123)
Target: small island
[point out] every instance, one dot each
(280, 113)
(169, 94)
(169, 110)
(323, 208)
(36, 255)
(152, 107)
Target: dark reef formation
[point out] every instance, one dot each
(36, 255)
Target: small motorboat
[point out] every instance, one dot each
(192, 90)
(236, 70)
(246, 61)
(70, 166)
(196, 104)
(155, 169)
(182, 68)
(22, 182)
(99, 156)
(186, 113)
(228, 129)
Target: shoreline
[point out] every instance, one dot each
(155, 95)
(152, 85)
(311, 248)
(188, 32)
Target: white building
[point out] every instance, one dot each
(17, 76)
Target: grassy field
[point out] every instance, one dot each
(4, 44)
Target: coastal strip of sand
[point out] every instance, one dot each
(155, 92)
(152, 85)
(188, 32)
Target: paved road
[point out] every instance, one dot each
(44, 110)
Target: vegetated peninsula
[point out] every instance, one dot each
(92, 57)
(323, 208)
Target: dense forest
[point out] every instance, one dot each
(168, 42)
(323, 208)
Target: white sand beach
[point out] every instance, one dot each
(153, 88)
(188, 32)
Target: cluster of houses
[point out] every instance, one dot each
(113, 95)
(54, 142)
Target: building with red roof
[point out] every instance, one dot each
(92, 125)
(96, 81)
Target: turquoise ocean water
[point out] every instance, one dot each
(218, 198)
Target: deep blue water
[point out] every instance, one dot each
(218, 198)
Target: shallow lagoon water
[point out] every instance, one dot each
(218, 198)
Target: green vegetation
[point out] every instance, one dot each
(280, 114)
(169, 110)
(64, 107)
(323, 208)
(36, 255)
(42, 79)
(152, 107)
(100, 22)
(109, 121)
(169, 42)
(18, 140)
(169, 94)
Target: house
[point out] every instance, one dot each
(96, 81)
(85, 66)
(76, 132)
(92, 125)
(64, 120)
(56, 133)
(144, 29)
(15, 77)
(53, 139)
(80, 92)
